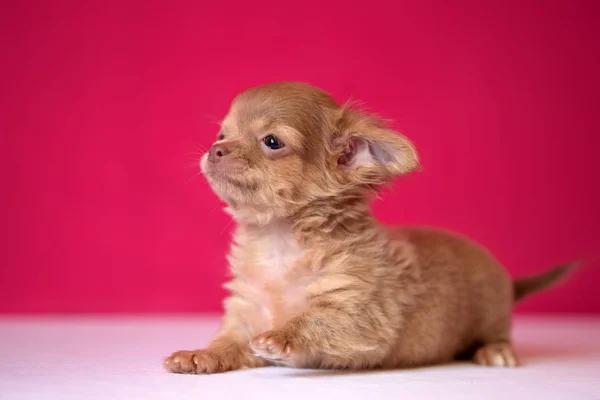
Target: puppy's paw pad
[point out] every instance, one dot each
(272, 345)
(193, 362)
(496, 355)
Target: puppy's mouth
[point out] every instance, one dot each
(230, 172)
(217, 175)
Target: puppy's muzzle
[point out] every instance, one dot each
(217, 152)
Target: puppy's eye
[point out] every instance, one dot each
(221, 136)
(273, 143)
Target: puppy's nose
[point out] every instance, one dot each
(216, 152)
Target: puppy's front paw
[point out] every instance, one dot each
(273, 346)
(196, 362)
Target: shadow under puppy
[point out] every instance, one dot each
(317, 282)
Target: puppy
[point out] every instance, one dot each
(317, 282)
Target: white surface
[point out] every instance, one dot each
(121, 358)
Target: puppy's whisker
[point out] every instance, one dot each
(194, 176)
(226, 227)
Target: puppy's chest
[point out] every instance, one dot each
(274, 278)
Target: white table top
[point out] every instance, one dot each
(120, 357)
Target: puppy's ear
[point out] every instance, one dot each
(369, 153)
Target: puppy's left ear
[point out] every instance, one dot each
(368, 152)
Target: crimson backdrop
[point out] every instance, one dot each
(105, 106)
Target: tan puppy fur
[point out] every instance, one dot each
(317, 281)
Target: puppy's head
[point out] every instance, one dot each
(283, 146)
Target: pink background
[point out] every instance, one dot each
(105, 109)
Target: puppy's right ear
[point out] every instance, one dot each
(368, 153)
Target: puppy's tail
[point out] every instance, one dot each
(523, 287)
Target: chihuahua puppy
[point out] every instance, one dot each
(317, 282)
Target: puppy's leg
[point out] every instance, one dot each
(496, 349)
(325, 338)
(499, 354)
(228, 351)
(225, 353)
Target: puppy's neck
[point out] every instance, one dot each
(334, 218)
(331, 218)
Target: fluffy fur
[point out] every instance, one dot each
(317, 282)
